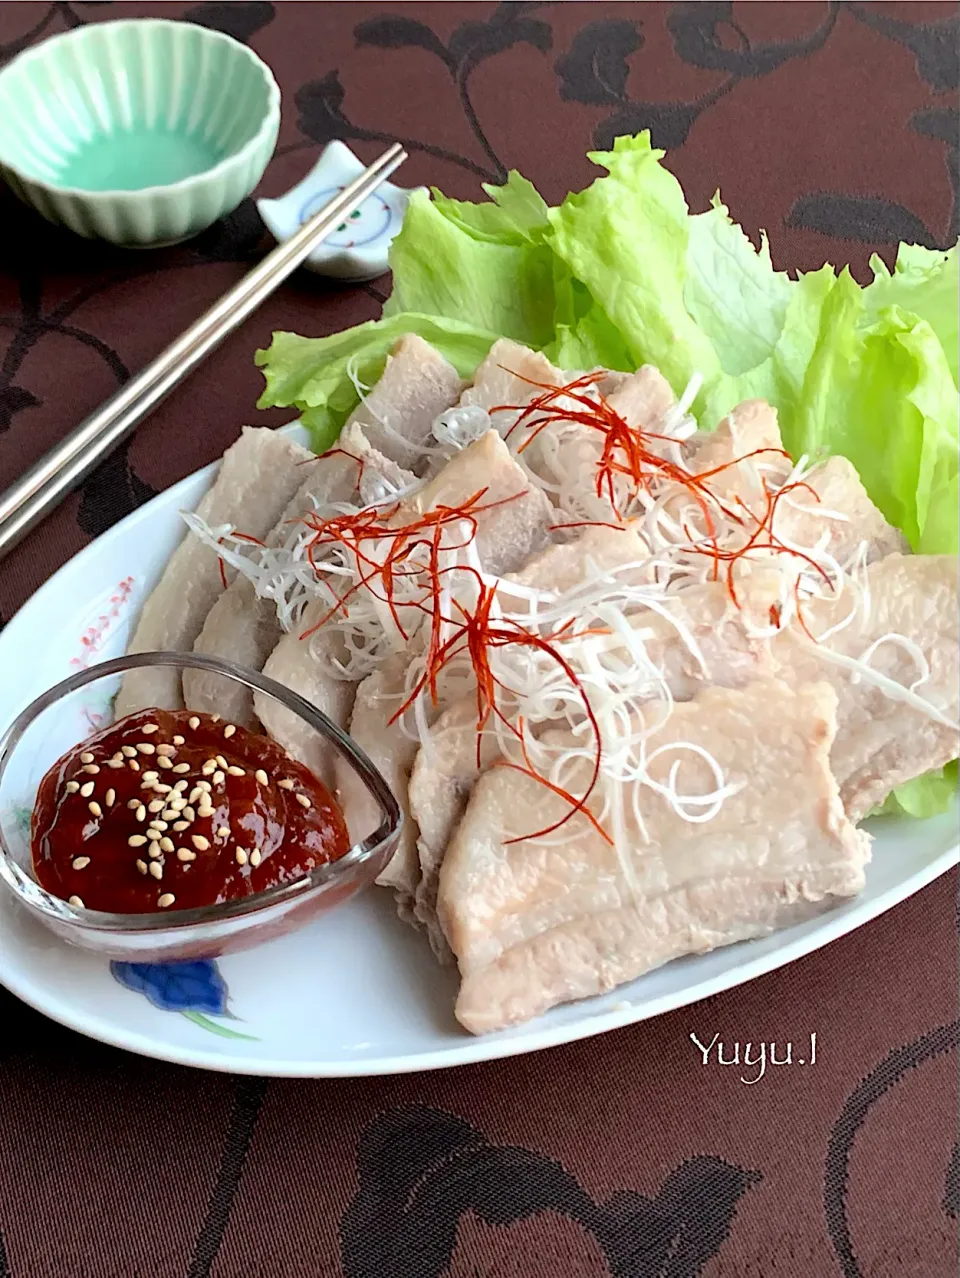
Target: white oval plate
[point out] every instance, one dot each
(357, 992)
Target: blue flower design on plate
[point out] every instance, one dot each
(195, 988)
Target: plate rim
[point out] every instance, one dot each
(478, 1049)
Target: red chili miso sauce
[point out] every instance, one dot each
(174, 810)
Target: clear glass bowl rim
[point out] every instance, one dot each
(38, 899)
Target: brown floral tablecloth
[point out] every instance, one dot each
(835, 127)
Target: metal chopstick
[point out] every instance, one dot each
(26, 502)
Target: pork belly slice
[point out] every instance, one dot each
(446, 767)
(416, 386)
(508, 534)
(511, 374)
(514, 374)
(244, 627)
(751, 427)
(258, 476)
(844, 508)
(644, 400)
(882, 741)
(838, 502)
(392, 752)
(298, 664)
(536, 923)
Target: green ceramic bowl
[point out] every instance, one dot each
(140, 132)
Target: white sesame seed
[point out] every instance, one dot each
(222, 761)
(75, 901)
(110, 798)
(133, 765)
(158, 825)
(181, 767)
(136, 840)
(73, 787)
(285, 783)
(178, 740)
(209, 766)
(114, 763)
(118, 757)
(141, 813)
(304, 801)
(234, 771)
(184, 854)
(204, 812)
(80, 862)
(166, 900)
(165, 751)
(144, 747)
(229, 730)
(91, 769)
(199, 842)
(180, 826)
(156, 869)
(178, 803)
(133, 804)
(157, 805)
(195, 794)
(164, 762)
(214, 718)
(86, 790)
(194, 722)
(262, 776)
(152, 775)
(128, 752)
(166, 844)
(181, 785)
(169, 814)
(218, 778)
(189, 813)
(255, 857)
(153, 852)
(86, 757)
(224, 832)
(204, 785)
(241, 855)
(95, 809)
(161, 788)
(142, 866)
(150, 727)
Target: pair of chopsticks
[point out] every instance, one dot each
(49, 480)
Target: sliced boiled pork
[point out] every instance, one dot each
(258, 476)
(545, 921)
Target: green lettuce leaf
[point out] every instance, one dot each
(925, 282)
(924, 796)
(444, 265)
(625, 238)
(732, 291)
